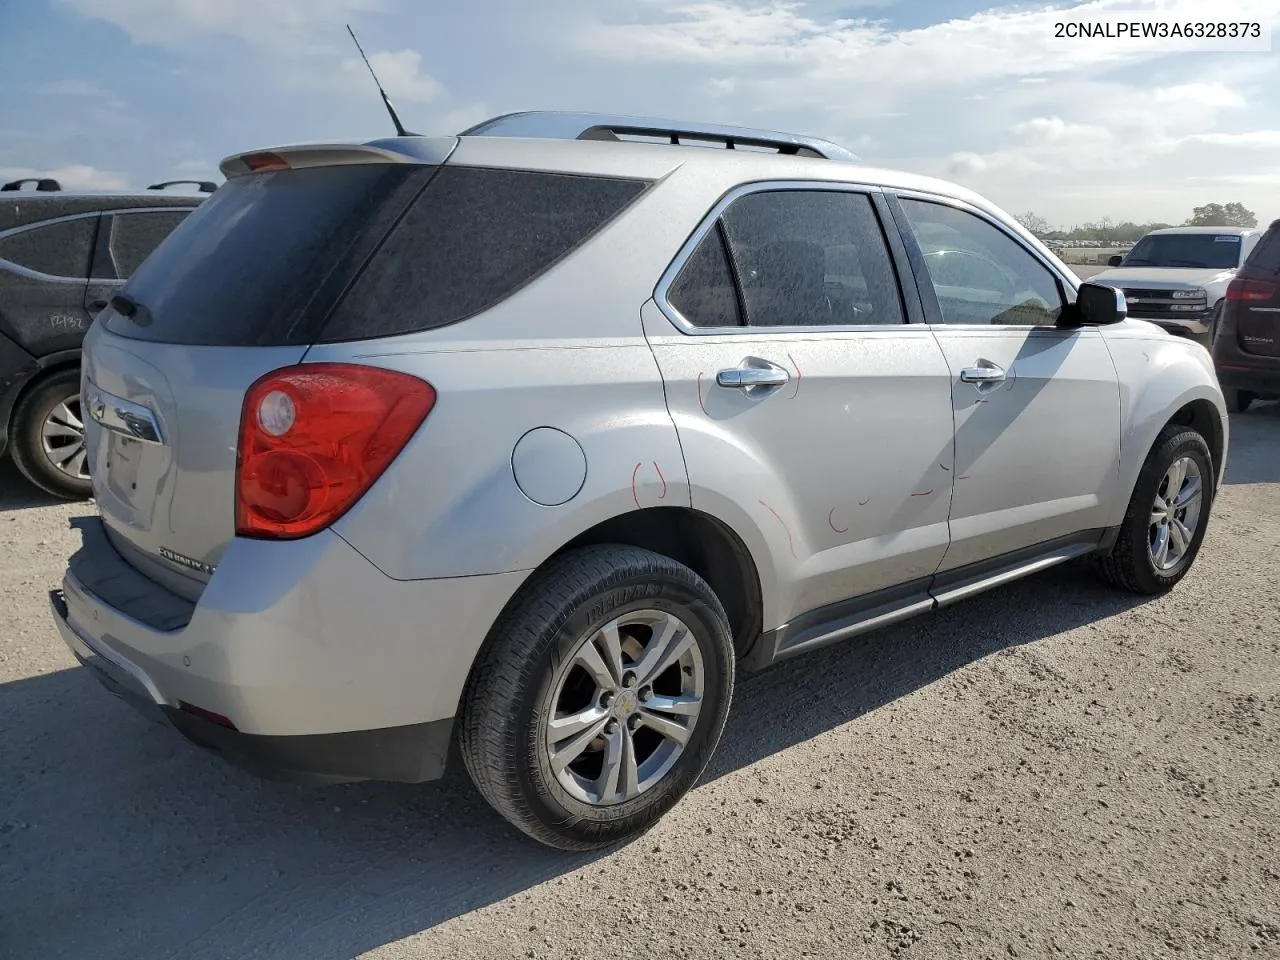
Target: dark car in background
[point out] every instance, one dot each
(63, 255)
(1246, 346)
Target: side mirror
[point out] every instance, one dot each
(1115, 260)
(1096, 305)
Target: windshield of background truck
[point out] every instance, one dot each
(1203, 251)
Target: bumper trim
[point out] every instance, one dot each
(406, 754)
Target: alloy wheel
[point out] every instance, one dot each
(62, 439)
(624, 705)
(1175, 515)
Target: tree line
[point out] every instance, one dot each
(1209, 215)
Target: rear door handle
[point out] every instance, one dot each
(984, 372)
(754, 373)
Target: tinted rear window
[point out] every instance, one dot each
(260, 261)
(58, 249)
(472, 238)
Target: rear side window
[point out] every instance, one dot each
(705, 292)
(812, 258)
(1266, 256)
(135, 235)
(59, 249)
(473, 238)
(257, 263)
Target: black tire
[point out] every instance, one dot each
(1238, 401)
(510, 690)
(25, 436)
(1129, 565)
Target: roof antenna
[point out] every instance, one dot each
(400, 130)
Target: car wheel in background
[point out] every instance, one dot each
(1168, 512)
(47, 434)
(599, 697)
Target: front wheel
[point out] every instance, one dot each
(599, 696)
(1168, 512)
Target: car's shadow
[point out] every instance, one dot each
(118, 839)
(19, 493)
(1254, 455)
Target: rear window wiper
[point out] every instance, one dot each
(126, 306)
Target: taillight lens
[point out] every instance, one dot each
(314, 438)
(265, 162)
(1246, 290)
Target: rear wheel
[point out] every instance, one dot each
(48, 437)
(1168, 512)
(600, 696)
(1238, 401)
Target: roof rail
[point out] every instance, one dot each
(204, 186)
(44, 184)
(554, 125)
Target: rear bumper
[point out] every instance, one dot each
(324, 669)
(1254, 380)
(1194, 324)
(409, 754)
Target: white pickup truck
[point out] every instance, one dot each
(1176, 277)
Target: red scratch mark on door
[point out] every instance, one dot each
(635, 496)
(799, 376)
(945, 467)
(831, 522)
(702, 403)
(923, 493)
(663, 494)
(785, 529)
(963, 476)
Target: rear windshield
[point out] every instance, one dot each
(474, 237)
(1202, 251)
(259, 261)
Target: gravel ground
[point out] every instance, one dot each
(1050, 770)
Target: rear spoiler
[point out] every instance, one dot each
(423, 150)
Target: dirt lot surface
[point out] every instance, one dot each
(1051, 770)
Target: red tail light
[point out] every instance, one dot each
(1246, 290)
(314, 438)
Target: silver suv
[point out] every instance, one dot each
(536, 435)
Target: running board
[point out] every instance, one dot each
(865, 614)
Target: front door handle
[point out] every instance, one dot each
(984, 372)
(754, 374)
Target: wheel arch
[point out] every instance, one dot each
(705, 544)
(48, 366)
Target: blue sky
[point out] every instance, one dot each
(108, 93)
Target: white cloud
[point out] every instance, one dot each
(72, 87)
(1268, 139)
(74, 176)
(400, 72)
(281, 24)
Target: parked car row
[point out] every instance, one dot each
(63, 254)
(533, 438)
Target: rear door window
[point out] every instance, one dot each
(473, 238)
(260, 262)
(59, 249)
(131, 238)
(811, 258)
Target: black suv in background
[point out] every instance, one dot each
(1246, 345)
(62, 257)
